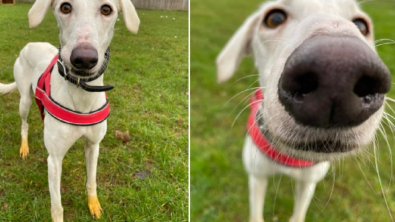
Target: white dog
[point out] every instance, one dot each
(73, 108)
(321, 91)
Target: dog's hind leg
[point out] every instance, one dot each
(25, 90)
(91, 155)
(303, 194)
(258, 188)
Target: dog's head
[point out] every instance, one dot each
(322, 79)
(86, 29)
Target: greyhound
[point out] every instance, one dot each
(321, 92)
(86, 29)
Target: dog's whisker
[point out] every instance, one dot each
(275, 196)
(389, 98)
(381, 185)
(382, 40)
(364, 175)
(246, 98)
(388, 43)
(244, 77)
(391, 127)
(248, 89)
(365, 1)
(243, 111)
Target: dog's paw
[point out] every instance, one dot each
(24, 150)
(94, 206)
(256, 220)
(295, 220)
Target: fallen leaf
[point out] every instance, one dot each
(126, 69)
(42, 160)
(126, 137)
(142, 174)
(179, 121)
(5, 206)
(118, 135)
(149, 164)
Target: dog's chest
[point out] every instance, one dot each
(67, 103)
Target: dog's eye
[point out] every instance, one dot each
(275, 18)
(362, 26)
(106, 10)
(66, 8)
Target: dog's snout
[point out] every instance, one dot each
(84, 57)
(333, 82)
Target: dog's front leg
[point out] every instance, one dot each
(54, 175)
(303, 194)
(257, 197)
(58, 139)
(91, 155)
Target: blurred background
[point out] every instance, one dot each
(219, 188)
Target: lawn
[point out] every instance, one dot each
(219, 188)
(145, 179)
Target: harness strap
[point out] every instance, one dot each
(263, 144)
(63, 114)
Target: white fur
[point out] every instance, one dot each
(270, 49)
(85, 25)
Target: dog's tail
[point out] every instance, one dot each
(7, 88)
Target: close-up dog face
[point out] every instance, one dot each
(322, 80)
(86, 30)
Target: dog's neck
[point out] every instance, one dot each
(79, 94)
(75, 98)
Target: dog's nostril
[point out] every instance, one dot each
(300, 85)
(367, 86)
(77, 61)
(307, 84)
(94, 62)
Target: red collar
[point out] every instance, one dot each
(263, 144)
(63, 114)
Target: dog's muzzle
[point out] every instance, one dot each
(81, 81)
(333, 81)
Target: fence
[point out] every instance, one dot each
(162, 4)
(153, 4)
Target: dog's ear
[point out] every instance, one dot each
(238, 46)
(130, 16)
(38, 11)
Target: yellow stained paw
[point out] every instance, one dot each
(24, 150)
(94, 206)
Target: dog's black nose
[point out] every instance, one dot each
(84, 57)
(333, 82)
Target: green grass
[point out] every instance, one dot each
(219, 190)
(149, 100)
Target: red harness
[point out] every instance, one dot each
(63, 114)
(264, 145)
